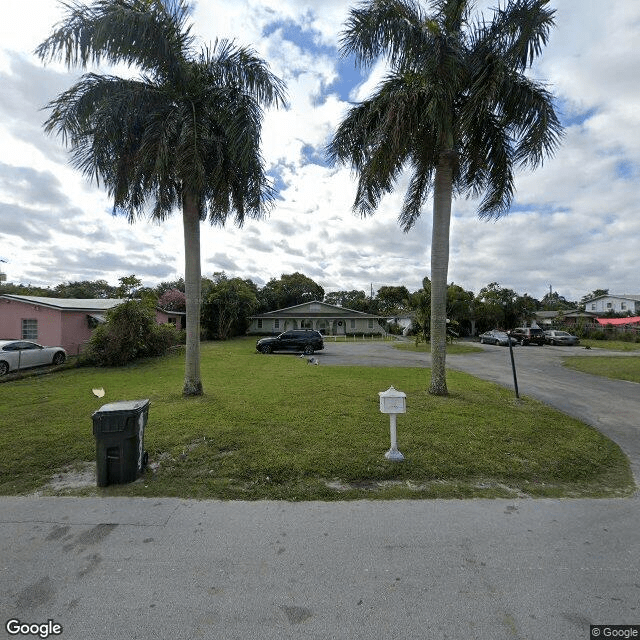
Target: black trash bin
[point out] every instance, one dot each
(119, 431)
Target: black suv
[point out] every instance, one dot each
(528, 335)
(304, 340)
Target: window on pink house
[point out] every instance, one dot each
(29, 329)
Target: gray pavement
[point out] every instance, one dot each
(481, 569)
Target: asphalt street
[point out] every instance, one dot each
(108, 568)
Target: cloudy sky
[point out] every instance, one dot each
(574, 225)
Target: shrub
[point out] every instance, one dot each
(130, 332)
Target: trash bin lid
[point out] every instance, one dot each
(124, 406)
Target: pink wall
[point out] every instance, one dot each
(12, 312)
(53, 331)
(68, 329)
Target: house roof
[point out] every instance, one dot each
(68, 304)
(625, 296)
(315, 309)
(619, 321)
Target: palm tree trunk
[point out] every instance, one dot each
(192, 277)
(439, 268)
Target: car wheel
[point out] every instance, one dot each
(4, 368)
(308, 350)
(265, 348)
(58, 358)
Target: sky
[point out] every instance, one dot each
(573, 227)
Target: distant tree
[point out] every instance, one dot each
(460, 308)
(184, 134)
(289, 290)
(391, 300)
(128, 286)
(553, 301)
(458, 109)
(356, 300)
(86, 289)
(229, 303)
(172, 300)
(420, 303)
(167, 286)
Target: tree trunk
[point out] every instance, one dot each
(439, 268)
(192, 277)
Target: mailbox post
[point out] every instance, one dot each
(393, 402)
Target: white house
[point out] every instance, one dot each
(615, 304)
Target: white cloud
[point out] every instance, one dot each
(573, 227)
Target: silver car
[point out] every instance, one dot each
(496, 336)
(560, 337)
(22, 354)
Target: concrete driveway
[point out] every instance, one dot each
(105, 568)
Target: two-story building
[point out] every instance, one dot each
(611, 303)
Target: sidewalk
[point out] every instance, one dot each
(483, 569)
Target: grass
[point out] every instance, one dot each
(273, 427)
(619, 368)
(612, 345)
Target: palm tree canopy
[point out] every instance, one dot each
(190, 124)
(455, 87)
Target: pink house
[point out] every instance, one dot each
(65, 322)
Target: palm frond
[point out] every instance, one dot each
(150, 34)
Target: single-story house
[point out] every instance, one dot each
(327, 318)
(614, 303)
(65, 322)
(547, 319)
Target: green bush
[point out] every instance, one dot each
(130, 332)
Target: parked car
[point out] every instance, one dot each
(528, 335)
(22, 354)
(560, 337)
(495, 336)
(304, 340)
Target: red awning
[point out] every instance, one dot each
(619, 321)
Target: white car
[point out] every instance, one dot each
(22, 354)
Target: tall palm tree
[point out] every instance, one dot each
(456, 108)
(184, 134)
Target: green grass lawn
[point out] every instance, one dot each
(612, 345)
(274, 427)
(619, 368)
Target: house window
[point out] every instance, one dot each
(609, 305)
(593, 307)
(306, 324)
(259, 323)
(623, 305)
(370, 323)
(172, 321)
(276, 324)
(353, 323)
(29, 329)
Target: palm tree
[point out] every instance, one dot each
(456, 108)
(184, 134)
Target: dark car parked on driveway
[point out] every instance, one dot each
(528, 335)
(304, 340)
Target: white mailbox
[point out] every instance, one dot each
(393, 401)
